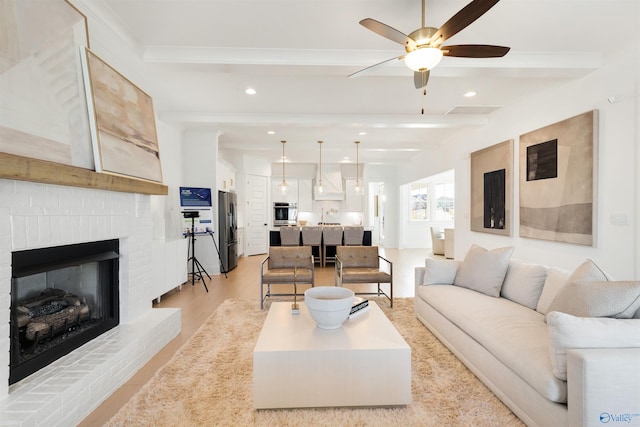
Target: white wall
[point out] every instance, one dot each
(199, 164)
(392, 213)
(120, 51)
(616, 251)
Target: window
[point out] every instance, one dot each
(419, 202)
(432, 201)
(444, 193)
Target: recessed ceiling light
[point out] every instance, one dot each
(470, 94)
(271, 132)
(362, 133)
(250, 91)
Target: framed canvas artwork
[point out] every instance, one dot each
(123, 123)
(558, 181)
(491, 189)
(43, 107)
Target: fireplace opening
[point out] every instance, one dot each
(61, 298)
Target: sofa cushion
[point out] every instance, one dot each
(598, 299)
(567, 332)
(483, 270)
(556, 279)
(514, 334)
(523, 283)
(440, 271)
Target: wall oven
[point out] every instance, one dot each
(285, 214)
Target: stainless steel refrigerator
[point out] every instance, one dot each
(228, 230)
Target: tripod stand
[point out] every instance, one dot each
(196, 268)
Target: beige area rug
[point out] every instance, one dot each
(209, 382)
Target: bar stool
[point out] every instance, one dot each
(331, 238)
(312, 236)
(353, 235)
(289, 236)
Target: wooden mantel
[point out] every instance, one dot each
(28, 169)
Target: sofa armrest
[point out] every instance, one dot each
(603, 385)
(419, 277)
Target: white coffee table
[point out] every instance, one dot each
(297, 365)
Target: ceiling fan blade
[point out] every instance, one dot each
(372, 67)
(475, 51)
(420, 78)
(388, 32)
(462, 19)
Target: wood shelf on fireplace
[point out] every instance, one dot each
(27, 169)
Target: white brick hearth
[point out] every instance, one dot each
(40, 215)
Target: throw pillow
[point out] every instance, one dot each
(440, 271)
(523, 283)
(588, 271)
(483, 271)
(598, 299)
(567, 332)
(556, 279)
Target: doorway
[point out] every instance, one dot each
(256, 236)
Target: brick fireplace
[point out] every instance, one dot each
(33, 216)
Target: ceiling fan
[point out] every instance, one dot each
(424, 48)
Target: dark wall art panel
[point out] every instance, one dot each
(542, 160)
(494, 199)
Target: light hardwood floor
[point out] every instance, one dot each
(244, 283)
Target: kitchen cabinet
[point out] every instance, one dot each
(305, 195)
(353, 199)
(225, 176)
(292, 194)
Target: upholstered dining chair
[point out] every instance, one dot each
(331, 239)
(312, 236)
(353, 235)
(289, 236)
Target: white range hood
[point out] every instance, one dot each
(331, 183)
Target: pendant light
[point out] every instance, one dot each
(284, 188)
(319, 185)
(357, 186)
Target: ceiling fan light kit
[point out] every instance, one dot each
(423, 46)
(423, 58)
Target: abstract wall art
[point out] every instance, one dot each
(558, 181)
(43, 108)
(491, 189)
(123, 123)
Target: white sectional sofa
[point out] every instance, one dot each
(538, 337)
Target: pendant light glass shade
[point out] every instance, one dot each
(424, 58)
(284, 188)
(319, 188)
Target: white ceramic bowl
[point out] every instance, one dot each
(329, 306)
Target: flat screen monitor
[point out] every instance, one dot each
(195, 197)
